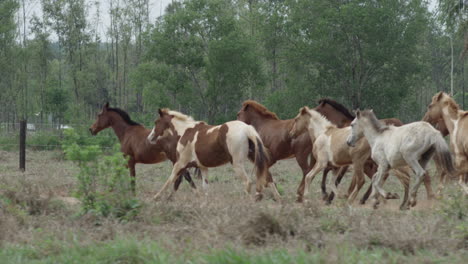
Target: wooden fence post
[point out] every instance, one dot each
(22, 145)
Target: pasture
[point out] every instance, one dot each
(40, 221)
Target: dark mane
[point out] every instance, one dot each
(124, 116)
(377, 124)
(338, 107)
(260, 109)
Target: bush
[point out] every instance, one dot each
(43, 141)
(104, 186)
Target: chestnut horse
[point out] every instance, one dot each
(133, 144)
(274, 133)
(212, 146)
(443, 107)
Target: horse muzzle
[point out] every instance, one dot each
(350, 143)
(92, 131)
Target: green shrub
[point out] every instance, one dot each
(104, 185)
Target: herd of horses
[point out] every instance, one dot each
(326, 138)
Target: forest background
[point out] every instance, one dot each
(204, 57)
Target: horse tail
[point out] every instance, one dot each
(443, 155)
(260, 156)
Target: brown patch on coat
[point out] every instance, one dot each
(211, 148)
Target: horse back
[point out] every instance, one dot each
(276, 138)
(210, 144)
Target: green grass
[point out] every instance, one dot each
(131, 250)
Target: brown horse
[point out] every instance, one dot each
(443, 107)
(274, 133)
(133, 143)
(212, 146)
(340, 116)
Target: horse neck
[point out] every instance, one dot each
(338, 119)
(119, 126)
(450, 117)
(371, 134)
(319, 125)
(182, 125)
(258, 120)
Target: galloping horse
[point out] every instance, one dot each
(330, 148)
(412, 144)
(274, 133)
(339, 115)
(443, 107)
(212, 146)
(133, 144)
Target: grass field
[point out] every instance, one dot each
(40, 222)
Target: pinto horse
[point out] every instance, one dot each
(212, 146)
(133, 144)
(411, 145)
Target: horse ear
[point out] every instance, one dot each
(357, 112)
(439, 96)
(246, 106)
(105, 107)
(304, 110)
(160, 111)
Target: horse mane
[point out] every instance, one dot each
(124, 116)
(322, 118)
(376, 123)
(261, 109)
(178, 115)
(341, 108)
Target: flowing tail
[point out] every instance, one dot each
(443, 155)
(261, 161)
(260, 156)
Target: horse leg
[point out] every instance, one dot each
(189, 179)
(358, 177)
(377, 183)
(334, 185)
(341, 173)
(131, 167)
(240, 172)
(319, 166)
(420, 172)
(302, 160)
(176, 172)
(370, 168)
(404, 177)
(204, 176)
(428, 186)
(323, 186)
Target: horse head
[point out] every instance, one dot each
(162, 126)
(103, 121)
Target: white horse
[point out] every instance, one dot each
(412, 144)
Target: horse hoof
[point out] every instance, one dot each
(325, 196)
(362, 201)
(412, 203)
(393, 196)
(404, 207)
(258, 197)
(300, 199)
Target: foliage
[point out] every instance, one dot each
(204, 57)
(104, 186)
